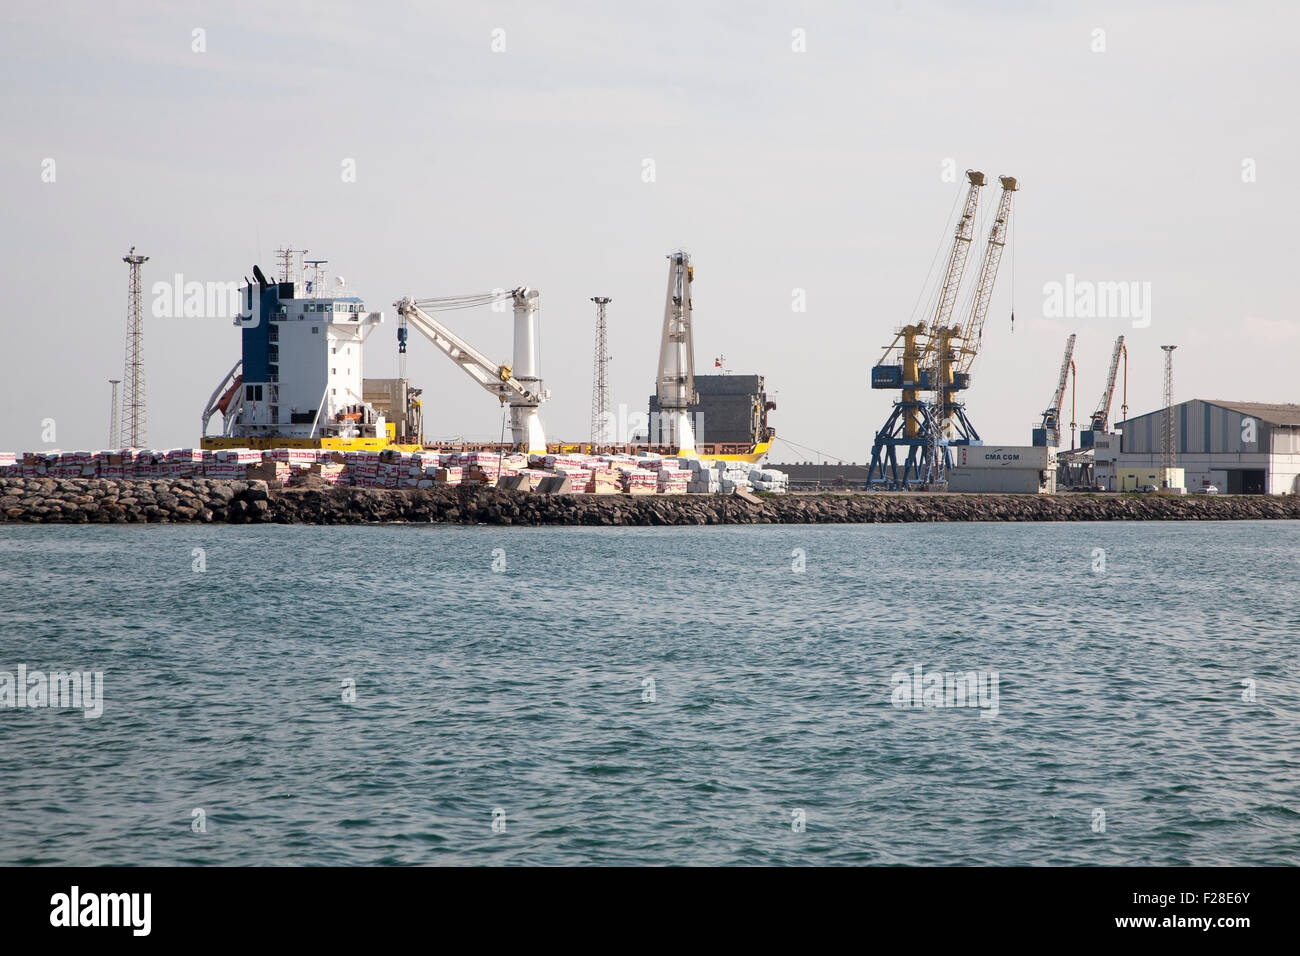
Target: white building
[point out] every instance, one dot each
(1239, 447)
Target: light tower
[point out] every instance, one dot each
(133, 406)
(113, 435)
(1167, 446)
(600, 380)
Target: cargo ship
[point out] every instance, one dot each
(299, 381)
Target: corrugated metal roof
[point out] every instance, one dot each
(1270, 414)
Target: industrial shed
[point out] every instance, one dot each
(1239, 447)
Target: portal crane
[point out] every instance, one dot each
(520, 384)
(972, 330)
(1049, 432)
(916, 344)
(675, 385)
(1100, 419)
(957, 256)
(956, 346)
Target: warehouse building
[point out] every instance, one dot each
(1249, 448)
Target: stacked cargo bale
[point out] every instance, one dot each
(448, 475)
(362, 468)
(148, 464)
(605, 482)
(639, 481)
(108, 464)
(272, 467)
(185, 462)
(579, 476)
(230, 462)
(671, 480)
(769, 479)
(481, 468)
(705, 477)
(734, 477)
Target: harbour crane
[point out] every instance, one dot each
(1049, 432)
(675, 385)
(519, 384)
(971, 332)
(958, 345)
(1100, 419)
(965, 231)
(910, 372)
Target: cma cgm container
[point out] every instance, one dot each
(1001, 469)
(1000, 456)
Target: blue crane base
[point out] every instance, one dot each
(918, 467)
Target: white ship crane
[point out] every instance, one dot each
(519, 384)
(675, 387)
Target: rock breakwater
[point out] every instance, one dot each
(113, 501)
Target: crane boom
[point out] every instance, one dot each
(675, 387)
(956, 266)
(1101, 417)
(972, 331)
(524, 393)
(1052, 416)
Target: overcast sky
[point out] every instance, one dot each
(1168, 157)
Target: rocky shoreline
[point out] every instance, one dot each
(201, 500)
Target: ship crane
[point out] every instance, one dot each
(1048, 433)
(1100, 419)
(675, 385)
(519, 384)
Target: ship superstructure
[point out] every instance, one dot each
(300, 370)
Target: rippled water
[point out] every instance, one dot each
(522, 691)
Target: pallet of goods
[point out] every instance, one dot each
(639, 481)
(604, 483)
(672, 482)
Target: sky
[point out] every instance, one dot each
(802, 152)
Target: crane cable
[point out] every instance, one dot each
(451, 303)
(930, 272)
(822, 454)
(1011, 228)
(501, 445)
